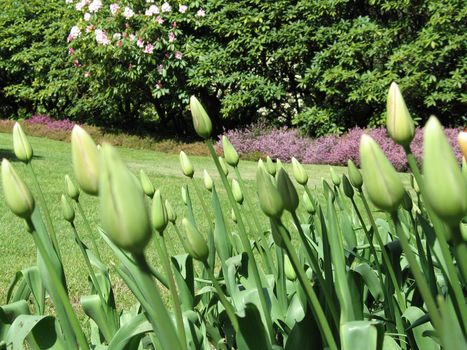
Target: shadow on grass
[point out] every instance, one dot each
(10, 155)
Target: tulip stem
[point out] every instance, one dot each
(88, 228)
(48, 220)
(460, 249)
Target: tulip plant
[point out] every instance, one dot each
(286, 267)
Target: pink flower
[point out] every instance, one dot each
(128, 12)
(119, 43)
(159, 20)
(158, 85)
(132, 37)
(79, 6)
(200, 13)
(166, 7)
(71, 51)
(76, 63)
(152, 10)
(172, 37)
(182, 8)
(178, 55)
(74, 33)
(87, 16)
(149, 48)
(117, 36)
(87, 74)
(95, 6)
(174, 24)
(89, 29)
(140, 42)
(101, 37)
(114, 8)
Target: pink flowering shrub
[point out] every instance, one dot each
(286, 143)
(50, 123)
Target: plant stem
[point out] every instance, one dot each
(88, 228)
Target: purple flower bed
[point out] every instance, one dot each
(53, 124)
(286, 143)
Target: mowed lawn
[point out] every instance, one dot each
(52, 160)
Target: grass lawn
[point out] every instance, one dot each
(52, 161)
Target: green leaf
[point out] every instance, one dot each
(362, 335)
(252, 334)
(413, 314)
(133, 330)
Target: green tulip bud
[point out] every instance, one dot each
(237, 192)
(287, 191)
(196, 244)
(270, 166)
(225, 170)
(328, 191)
(124, 216)
(261, 165)
(201, 121)
(355, 176)
(146, 184)
(308, 204)
(71, 189)
(269, 197)
(98, 146)
(279, 164)
(185, 195)
(462, 140)
(187, 167)
(171, 214)
(67, 210)
(159, 215)
(382, 182)
(399, 123)
(233, 216)
(85, 160)
(288, 269)
(336, 180)
(407, 202)
(208, 183)
(21, 145)
(230, 154)
(17, 195)
(299, 172)
(445, 187)
(348, 189)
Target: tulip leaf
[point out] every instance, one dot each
(304, 334)
(131, 332)
(22, 290)
(362, 335)
(33, 279)
(390, 344)
(371, 280)
(184, 277)
(413, 314)
(252, 334)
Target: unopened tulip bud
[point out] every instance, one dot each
(17, 195)
(159, 213)
(269, 197)
(287, 191)
(382, 182)
(299, 172)
(355, 176)
(348, 189)
(445, 186)
(462, 139)
(85, 159)
(237, 192)
(279, 164)
(230, 154)
(21, 145)
(201, 121)
(308, 204)
(196, 244)
(146, 184)
(233, 216)
(68, 212)
(185, 195)
(208, 183)
(185, 163)
(261, 165)
(336, 180)
(225, 170)
(399, 123)
(288, 269)
(124, 216)
(171, 215)
(270, 166)
(71, 189)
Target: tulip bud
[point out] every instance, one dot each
(67, 210)
(279, 164)
(355, 176)
(21, 145)
(269, 197)
(445, 187)
(201, 121)
(71, 189)
(184, 195)
(225, 170)
(308, 204)
(171, 214)
(299, 172)
(148, 187)
(230, 154)
(85, 160)
(348, 189)
(261, 165)
(159, 213)
(382, 182)
(287, 191)
(233, 216)
(237, 192)
(196, 244)
(288, 269)
(336, 180)
(124, 216)
(327, 190)
(270, 167)
(186, 165)
(17, 195)
(208, 183)
(399, 123)
(462, 139)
